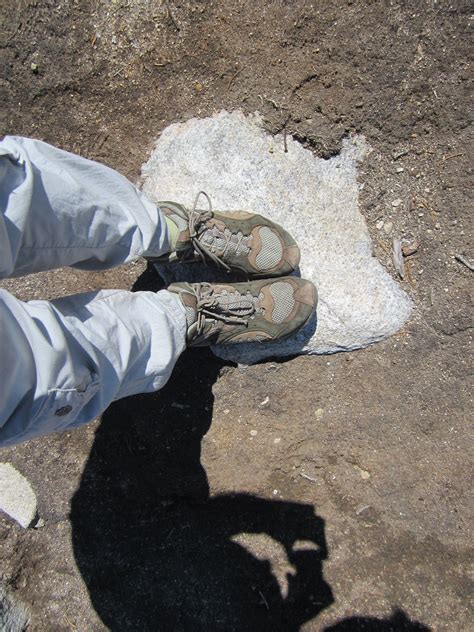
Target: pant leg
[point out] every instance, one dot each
(58, 209)
(63, 362)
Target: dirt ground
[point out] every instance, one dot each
(342, 503)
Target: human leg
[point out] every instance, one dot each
(58, 209)
(63, 362)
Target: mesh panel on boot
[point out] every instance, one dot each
(271, 251)
(190, 315)
(282, 294)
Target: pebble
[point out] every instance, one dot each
(437, 225)
(364, 474)
(277, 440)
(396, 203)
(17, 498)
(400, 170)
(388, 227)
(319, 413)
(379, 224)
(253, 433)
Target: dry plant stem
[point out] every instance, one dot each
(462, 259)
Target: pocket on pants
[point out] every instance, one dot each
(62, 408)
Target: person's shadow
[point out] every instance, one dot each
(157, 553)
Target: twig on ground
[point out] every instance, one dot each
(273, 102)
(444, 158)
(397, 258)
(119, 71)
(399, 154)
(384, 247)
(462, 259)
(231, 80)
(308, 478)
(171, 17)
(409, 275)
(264, 600)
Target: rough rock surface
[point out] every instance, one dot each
(13, 615)
(17, 499)
(242, 167)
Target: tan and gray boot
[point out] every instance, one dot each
(257, 311)
(237, 241)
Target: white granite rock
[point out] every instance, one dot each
(241, 166)
(17, 499)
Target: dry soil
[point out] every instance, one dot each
(319, 493)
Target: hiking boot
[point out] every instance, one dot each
(257, 311)
(237, 241)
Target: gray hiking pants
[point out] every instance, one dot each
(62, 362)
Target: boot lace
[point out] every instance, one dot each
(229, 307)
(207, 241)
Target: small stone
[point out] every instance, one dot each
(276, 440)
(17, 498)
(226, 411)
(319, 413)
(253, 433)
(388, 227)
(437, 225)
(264, 403)
(364, 474)
(396, 203)
(379, 224)
(399, 169)
(409, 249)
(34, 67)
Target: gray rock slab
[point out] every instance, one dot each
(17, 498)
(13, 615)
(240, 166)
